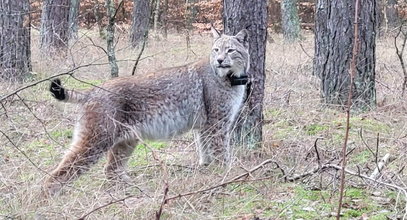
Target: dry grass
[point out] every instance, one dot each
(295, 119)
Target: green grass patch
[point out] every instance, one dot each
(361, 157)
(87, 84)
(140, 155)
(367, 124)
(229, 206)
(282, 130)
(312, 195)
(42, 150)
(380, 216)
(314, 129)
(303, 204)
(352, 213)
(300, 213)
(273, 113)
(154, 145)
(355, 193)
(64, 133)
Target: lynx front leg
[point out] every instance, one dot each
(204, 149)
(213, 145)
(117, 158)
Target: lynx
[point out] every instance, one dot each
(205, 96)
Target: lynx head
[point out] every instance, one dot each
(230, 54)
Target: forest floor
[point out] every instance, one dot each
(39, 130)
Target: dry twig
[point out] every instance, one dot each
(233, 180)
(400, 52)
(105, 205)
(145, 37)
(348, 106)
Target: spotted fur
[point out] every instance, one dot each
(157, 106)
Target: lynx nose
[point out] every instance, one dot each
(220, 60)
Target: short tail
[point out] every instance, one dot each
(63, 94)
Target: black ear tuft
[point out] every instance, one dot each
(57, 90)
(215, 32)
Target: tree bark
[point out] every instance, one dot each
(15, 54)
(333, 51)
(156, 16)
(73, 19)
(190, 13)
(111, 55)
(99, 17)
(141, 21)
(391, 14)
(164, 19)
(252, 15)
(290, 20)
(54, 24)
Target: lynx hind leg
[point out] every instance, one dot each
(117, 159)
(84, 152)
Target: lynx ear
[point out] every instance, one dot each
(215, 33)
(243, 37)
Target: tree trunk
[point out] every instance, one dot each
(99, 17)
(15, 54)
(54, 24)
(156, 17)
(164, 19)
(141, 21)
(239, 14)
(391, 15)
(333, 51)
(190, 13)
(111, 12)
(73, 19)
(290, 20)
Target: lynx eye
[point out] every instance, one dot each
(231, 50)
(216, 49)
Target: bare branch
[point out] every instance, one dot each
(95, 45)
(140, 53)
(349, 104)
(105, 205)
(400, 52)
(117, 9)
(233, 180)
(392, 186)
(316, 151)
(70, 73)
(23, 153)
(303, 50)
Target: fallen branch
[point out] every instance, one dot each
(166, 188)
(233, 180)
(357, 174)
(380, 166)
(105, 205)
(393, 186)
